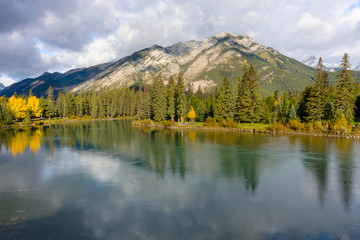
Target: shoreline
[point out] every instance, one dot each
(47, 122)
(248, 130)
(191, 126)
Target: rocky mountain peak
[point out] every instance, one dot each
(1, 86)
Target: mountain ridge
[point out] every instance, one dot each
(204, 64)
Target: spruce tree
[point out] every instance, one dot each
(292, 112)
(171, 98)
(159, 100)
(255, 114)
(315, 105)
(146, 108)
(345, 98)
(94, 105)
(244, 97)
(224, 102)
(180, 99)
(50, 103)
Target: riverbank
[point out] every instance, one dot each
(273, 129)
(53, 121)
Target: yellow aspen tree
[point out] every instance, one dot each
(191, 114)
(34, 106)
(17, 107)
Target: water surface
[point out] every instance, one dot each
(109, 180)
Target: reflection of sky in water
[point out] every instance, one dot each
(232, 186)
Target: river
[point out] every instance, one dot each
(110, 180)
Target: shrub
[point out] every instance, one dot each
(228, 123)
(278, 127)
(210, 122)
(295, 125)
(340, 126)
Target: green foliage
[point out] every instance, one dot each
(315, 104)
(345, 98)
(171, 98)
(180, 99)
(210, 122)
(224, 105)
(159, 106)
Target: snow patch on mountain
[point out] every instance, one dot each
(312, 62)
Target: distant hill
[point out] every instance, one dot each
(58, 81)
(1, 86)
(204, 64)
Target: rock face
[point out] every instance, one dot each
(204, 65)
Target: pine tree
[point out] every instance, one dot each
(224, 102)
(50, 103)
(159, 100)
(171, 98)
(292, 112)
(180, 99)
(94, 105)
(244, 97)
(146, 108)
(345, 98)
(315, 105)
(255, 114)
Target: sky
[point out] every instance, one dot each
(39, 36)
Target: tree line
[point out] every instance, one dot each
(235, 100)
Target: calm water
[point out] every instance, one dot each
(108, 180)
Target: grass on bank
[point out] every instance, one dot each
(336, 127)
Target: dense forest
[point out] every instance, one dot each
(320, 107)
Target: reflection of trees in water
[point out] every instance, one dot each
(316, 160)
(17, 140)
(345, 168)
(240, 157)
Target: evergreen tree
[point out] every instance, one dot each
(248, 100)
(345, 102)
(94, 105)
(292, 112)
(159, 100)
(315, 106)
(50, 103)
(146, 108)
(224, 102)
(171, 98)
(180, 99)
(70, 103)
(140, 102)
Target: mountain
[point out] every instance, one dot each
(203, 63)
(312, 62)
(357, 68)
(1, 86)
(58, 81)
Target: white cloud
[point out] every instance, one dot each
(6, 80)
(80, 33)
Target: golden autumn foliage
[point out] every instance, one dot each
(21, 140)
(18, 143)
(191, 114)
(35, 141)
(17, 106)
(33, 105)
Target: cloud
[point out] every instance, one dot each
(38, 36)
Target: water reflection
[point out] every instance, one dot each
(112, 181)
